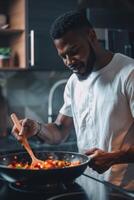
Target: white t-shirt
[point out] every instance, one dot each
(102, 107)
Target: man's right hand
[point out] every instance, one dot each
(29, 128)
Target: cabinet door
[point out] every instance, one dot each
(41, 14)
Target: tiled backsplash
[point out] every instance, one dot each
(26, 93)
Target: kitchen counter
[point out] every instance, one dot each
(103, 190)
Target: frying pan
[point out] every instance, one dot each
(40, 176)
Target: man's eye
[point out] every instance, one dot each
(73, 52)
(63, 57)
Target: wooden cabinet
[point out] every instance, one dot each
(13, 33)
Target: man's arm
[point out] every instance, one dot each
(125, 155)
(102, 160)
(52, 133)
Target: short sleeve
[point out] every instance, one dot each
(66, 108)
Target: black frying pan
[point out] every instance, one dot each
(29, 176)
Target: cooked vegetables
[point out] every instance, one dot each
(48, 164)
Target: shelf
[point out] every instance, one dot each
(13, 34)
(10, 31)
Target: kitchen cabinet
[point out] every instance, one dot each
(12, 34)
(41, 14)
(116, 26)
(121, 41)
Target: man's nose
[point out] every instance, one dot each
(69, 60)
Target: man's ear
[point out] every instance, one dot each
(91, 35)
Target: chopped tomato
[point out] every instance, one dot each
(48, 164)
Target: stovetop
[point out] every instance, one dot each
(60, 191)
(83, 188)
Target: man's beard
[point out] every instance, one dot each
(89, 66)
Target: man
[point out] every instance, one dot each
(98, 100)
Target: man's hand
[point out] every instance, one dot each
(29, 128)
(101, 160)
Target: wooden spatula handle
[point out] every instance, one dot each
(16, 121)
(24, 141)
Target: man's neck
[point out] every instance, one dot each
(103, 59)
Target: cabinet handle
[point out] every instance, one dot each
(32, 58)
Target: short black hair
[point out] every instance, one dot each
(69, 21)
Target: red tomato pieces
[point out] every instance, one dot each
(48, 164)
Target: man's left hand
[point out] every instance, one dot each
(101, 160)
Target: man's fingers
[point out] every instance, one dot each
(15, 130)
(16, 135)
(24, 127)
(91, 151)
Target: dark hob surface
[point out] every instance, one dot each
(83, 188)
(46, 192)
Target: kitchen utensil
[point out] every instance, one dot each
(25, 143)
(41, 177)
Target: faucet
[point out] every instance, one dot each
(50, 98)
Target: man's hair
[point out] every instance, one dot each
(70, 21)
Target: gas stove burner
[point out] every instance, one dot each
(71, 196)
(41, 189)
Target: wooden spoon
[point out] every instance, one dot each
(24, 141)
